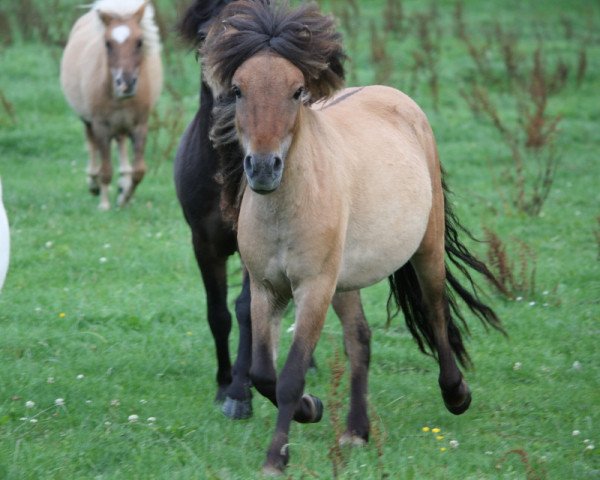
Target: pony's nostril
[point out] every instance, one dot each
(277, 164)
(119, 81)
(248, 164)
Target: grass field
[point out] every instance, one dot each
(102, 316)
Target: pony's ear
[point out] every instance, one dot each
(105, 18)
(139, 14)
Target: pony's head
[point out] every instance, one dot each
(269, 61)
(124, 43)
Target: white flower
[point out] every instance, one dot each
(103, 260)
(576, 365)
(518, 299)
(151, 419)
(59, 402)
(454, 443)
(49, 244)
(517, 366)
(531, 304)
(115, 402)
(29, 404)
(80, 376)
(50, 380)
(133, 418)
(33, 420)
(576, 432)
(88, 402)
(107, 424)
(590, 446)
(106, 245)
(587, 440)
(143, 402)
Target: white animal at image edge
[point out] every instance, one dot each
(4, 241)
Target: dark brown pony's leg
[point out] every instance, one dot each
(103, 143)
(431, 272)
(357, 339)
(286, 392)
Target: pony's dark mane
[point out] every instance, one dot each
(303, 36)
(194, 23)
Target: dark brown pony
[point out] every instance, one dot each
(333, 193)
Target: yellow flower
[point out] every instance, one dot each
(436, 430)
(443, 449)
(425, 429)
(62, 314)
(439, 437)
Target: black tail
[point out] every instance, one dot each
(406, 292)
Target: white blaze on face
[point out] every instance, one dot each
(120, 33)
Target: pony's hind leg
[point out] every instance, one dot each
(93, 168)
(125, 170)
(357, 339)
(105, 172)
(444, 334)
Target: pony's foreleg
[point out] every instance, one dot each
(93, 168)
(105, 173)
(357, 339)
(125, 170)
(312, 303)
(431, 273)
(238, 402)
(138, 138)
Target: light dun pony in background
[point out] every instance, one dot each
(4, 241)
(111, 75)
(335, 194)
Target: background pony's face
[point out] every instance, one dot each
(124, 42)
(269, 91)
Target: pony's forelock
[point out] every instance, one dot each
(304, 36)
(124, 8)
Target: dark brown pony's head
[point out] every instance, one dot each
(266, 61)
(124, 42)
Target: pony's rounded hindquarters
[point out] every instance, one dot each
(111, 76)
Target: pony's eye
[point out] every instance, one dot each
(298, 93)
(139, 44)
(108, 45)
(236, 91)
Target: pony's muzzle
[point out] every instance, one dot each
(263, 171)
(124, 85)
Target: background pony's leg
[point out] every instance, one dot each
(138, 138)
(93, 168)
(105, 171)
(431, 272)
(357, 339)
(125, 170)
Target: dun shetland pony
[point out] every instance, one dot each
(4, 241)
(336, 195)
(111, 75)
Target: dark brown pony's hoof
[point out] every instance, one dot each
(457, 400)
(237, 409)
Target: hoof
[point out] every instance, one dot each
(94, 190)
(348, 439)
(316, 408)
(237, 409)
(463, 405)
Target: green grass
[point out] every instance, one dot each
(116, 297)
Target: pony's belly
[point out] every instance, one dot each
(374, 260)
